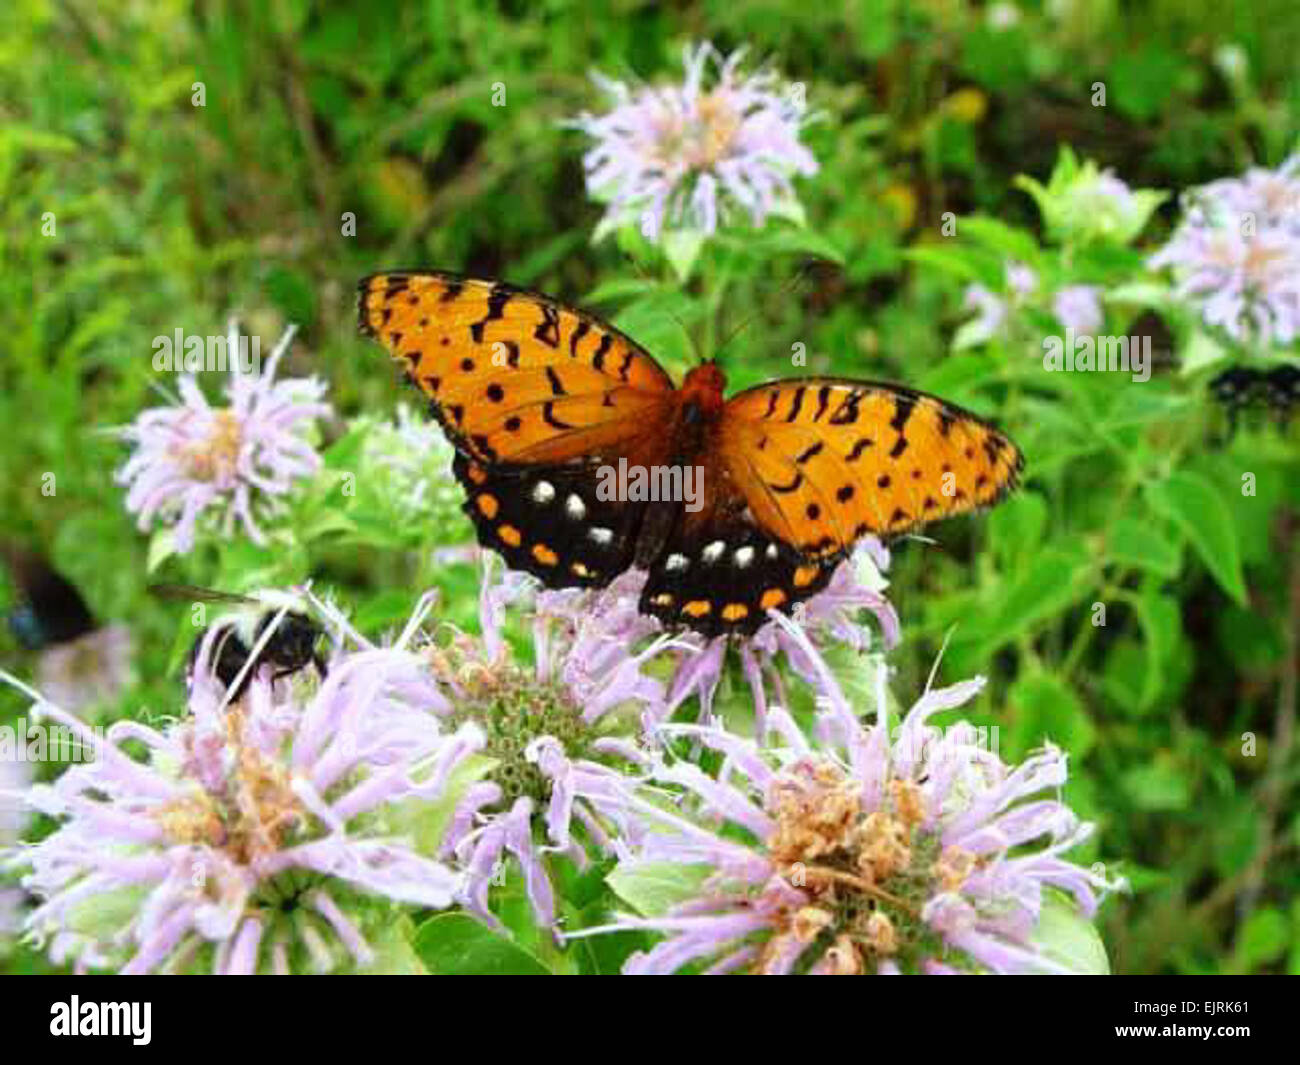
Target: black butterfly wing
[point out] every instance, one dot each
(551, 520)
(720, 573)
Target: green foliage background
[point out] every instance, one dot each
(173, 216)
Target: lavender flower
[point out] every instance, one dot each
(1268, 197)
(255, 835)
(234, 460)
(1078, 307)
(14, 779)
(857, 853)
(1248, 286)
(991, 309)
(687, 156)
(92, 670)
(1235, 256)
(558, 732)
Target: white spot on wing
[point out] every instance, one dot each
(676, 562)
(599, 534)
(744, 557)
(543, 492)
(714, 551)
(575, 507)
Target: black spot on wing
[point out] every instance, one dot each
(498, 297)
(548, 416)
(823, 398)
(797, 404)
(847, 412)
(548, 330)
(859, 448)
(575, 338)
(903, 407)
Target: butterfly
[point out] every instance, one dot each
(542, 401)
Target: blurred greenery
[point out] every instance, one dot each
(169, 215)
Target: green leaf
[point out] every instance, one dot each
(162, 545)
(345, 453)
(1157, 787)
(1140, 293)
(1141, 545)
(682, 249)
(1254, 643)
(426, 822)
(970, 334)
(1050, 710)
(620, 288)
(1161, 626)
(293, 293)
(958, 377)
(1201, 351)
(968, 264)
(1143, 81)
(1124, 673)
(1008, 241)
(653, 888)
(790, 241)
(1054, 580)
(1016, 527)
(1068, 938)
(394, 954)
(455, 944)
(1199, 510)
(658, 323)
(1263, 938)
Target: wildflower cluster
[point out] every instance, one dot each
(1235, 255)
(686, 157)
(246, 833)
(860, 851)
(236, 461)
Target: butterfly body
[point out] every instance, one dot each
(576, 452)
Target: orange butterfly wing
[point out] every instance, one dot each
(824, 461)
(798, 472)
(536, 397)
(513, 376)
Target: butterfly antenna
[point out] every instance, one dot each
(699, 357)
(799, 277)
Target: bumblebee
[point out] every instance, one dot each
(290, 648)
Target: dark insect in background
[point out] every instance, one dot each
(49, 610)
